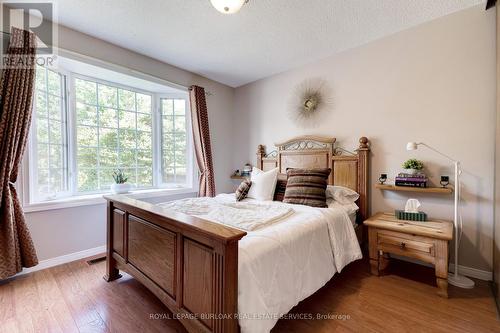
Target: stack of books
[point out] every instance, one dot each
(406, 179)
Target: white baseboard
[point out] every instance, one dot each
(464, 270)
(64, 259)
(473, 272)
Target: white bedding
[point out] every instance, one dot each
(247, 216)
(288, 260)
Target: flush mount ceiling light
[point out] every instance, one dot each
(228, 6)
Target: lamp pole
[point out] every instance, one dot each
(456, 279)
(455, 215)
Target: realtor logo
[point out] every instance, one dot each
(36, 17)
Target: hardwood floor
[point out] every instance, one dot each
(74, 298)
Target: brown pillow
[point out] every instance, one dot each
(242, 190)
(307, 187)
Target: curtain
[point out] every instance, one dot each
(16, 95)
(201, 136)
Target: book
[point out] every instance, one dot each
(411, 179)
(410, 184)
(410, 175)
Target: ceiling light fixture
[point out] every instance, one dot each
(228, 6)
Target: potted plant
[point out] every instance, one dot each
(121, 185)
(413, 166)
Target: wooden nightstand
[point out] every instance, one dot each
(425, 241)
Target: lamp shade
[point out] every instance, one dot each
(228, 6)
(411, 146)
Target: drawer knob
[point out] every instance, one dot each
(403, 245)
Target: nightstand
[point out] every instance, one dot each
(425, 241)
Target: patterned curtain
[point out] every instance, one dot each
(16, 93)
(201, 135)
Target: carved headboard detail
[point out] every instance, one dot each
(349, 169)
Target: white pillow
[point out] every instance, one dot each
(341, 194)
(351, 208)
(263, 184)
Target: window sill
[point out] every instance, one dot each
(97, 199)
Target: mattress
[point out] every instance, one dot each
(287, 261)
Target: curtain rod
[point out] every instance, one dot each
(123, 68)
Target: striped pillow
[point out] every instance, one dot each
(242, 190)
(307, 187)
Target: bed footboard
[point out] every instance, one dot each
(190, 264)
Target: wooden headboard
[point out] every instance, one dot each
(349, 169)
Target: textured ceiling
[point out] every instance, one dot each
(266, 37)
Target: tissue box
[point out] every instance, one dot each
(402, 215)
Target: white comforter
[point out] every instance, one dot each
(287, 261)
(247, 216)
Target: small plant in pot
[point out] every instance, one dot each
(121, 185)
(413, 166)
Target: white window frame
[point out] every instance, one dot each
(73, 132)
(72, 197)
(33, 140)
(191, 172)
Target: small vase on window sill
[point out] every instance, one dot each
(121, 186)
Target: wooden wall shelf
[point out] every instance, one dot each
(438, 190)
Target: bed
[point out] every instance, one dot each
(217, 278)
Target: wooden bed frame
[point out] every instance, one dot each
(191, 264)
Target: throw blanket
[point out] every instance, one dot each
(242, 215)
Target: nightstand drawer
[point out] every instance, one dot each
(406, 245)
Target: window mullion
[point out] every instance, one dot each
(174, 143)
(98, 118)
(136, 146)
(65, 133)
(72, 126)
(49, 146)
(157, 140)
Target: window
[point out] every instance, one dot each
(85, 128)
(50, 174)
(174, 150)
(114, 130)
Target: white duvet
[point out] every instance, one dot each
(287, 261)
(247, 216)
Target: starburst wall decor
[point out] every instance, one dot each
(309, 102)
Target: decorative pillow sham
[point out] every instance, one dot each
(342, 195)
(242, 190)
(307, 187)
(263, 184)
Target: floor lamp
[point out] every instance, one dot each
(456, 279)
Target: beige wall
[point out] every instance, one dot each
(433, 83)
(65, 231)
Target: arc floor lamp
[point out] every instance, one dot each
(456, 279)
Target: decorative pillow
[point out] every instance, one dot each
(242, 190)
(307, 187)
(263, 184)
(342, 194)
(279, 192)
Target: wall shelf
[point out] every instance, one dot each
(437, 190)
